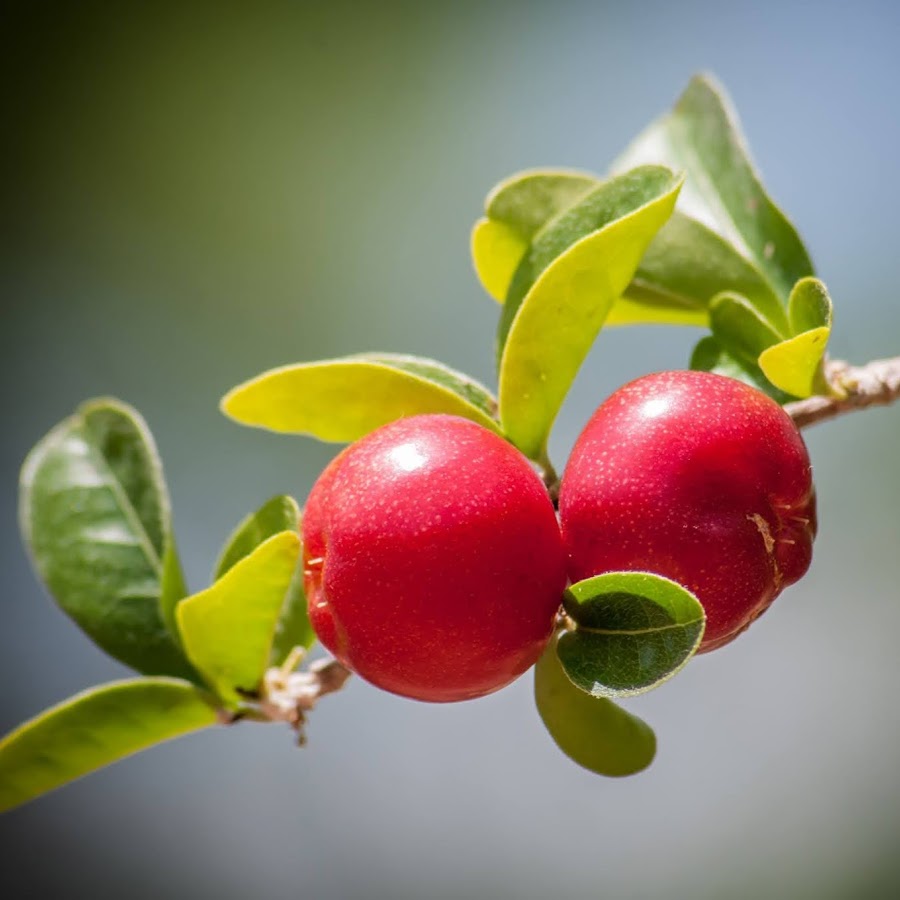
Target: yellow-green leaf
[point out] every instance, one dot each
(227, 630)
(546, 336)
(795, 365)
(344, 399)
(96, 728)
(515, 210)
(497, 249)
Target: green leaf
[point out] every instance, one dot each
(515, 209)
(634, 630)
(172, 588)
(592, 731)
(228, 629)
(710, 356)
(344, 399)
(276, 515)
(739, 328)
(94, 512)
(809, 306)
(577, 267)
(684, 267)
(702, 137)
(293, 628)
(96, 728)
(527, 200)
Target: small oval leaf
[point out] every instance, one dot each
(795, 366)
(740, 328)
(809, 306)
(277, 514)
(94, 512)
(634, 630)
(592, 731)
(96, 728)
(228, 629)
(528, 200)
(548, 326)
(344, 399)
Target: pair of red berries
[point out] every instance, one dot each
(435, 565)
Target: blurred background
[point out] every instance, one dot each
(195, 192)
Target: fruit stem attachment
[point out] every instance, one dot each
(287, 696)
(549, 476)
(877, 383)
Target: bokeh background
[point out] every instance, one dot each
(194, 192)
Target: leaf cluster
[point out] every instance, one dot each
(95, 513)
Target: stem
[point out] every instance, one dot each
(876, 383)
(287, 696)
(549, 476)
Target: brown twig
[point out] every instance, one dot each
(876, 383)
(287, 695)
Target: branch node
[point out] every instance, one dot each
(876, 383)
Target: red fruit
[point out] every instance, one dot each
(697, 477)
(434, 566)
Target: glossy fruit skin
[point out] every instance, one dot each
(433, 563)
(697, 477)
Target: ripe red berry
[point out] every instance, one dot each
(699, 478)
(434, 566)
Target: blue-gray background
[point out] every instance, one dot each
(195, 192)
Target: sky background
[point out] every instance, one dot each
(192, 193)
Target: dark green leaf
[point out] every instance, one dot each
(95, 514)
(344, 399)
(634, 630)
(684, 267)
(739, 328)
(592, 731)
(96, 728)
(228, 629)
(577, 267)
(702, 137)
